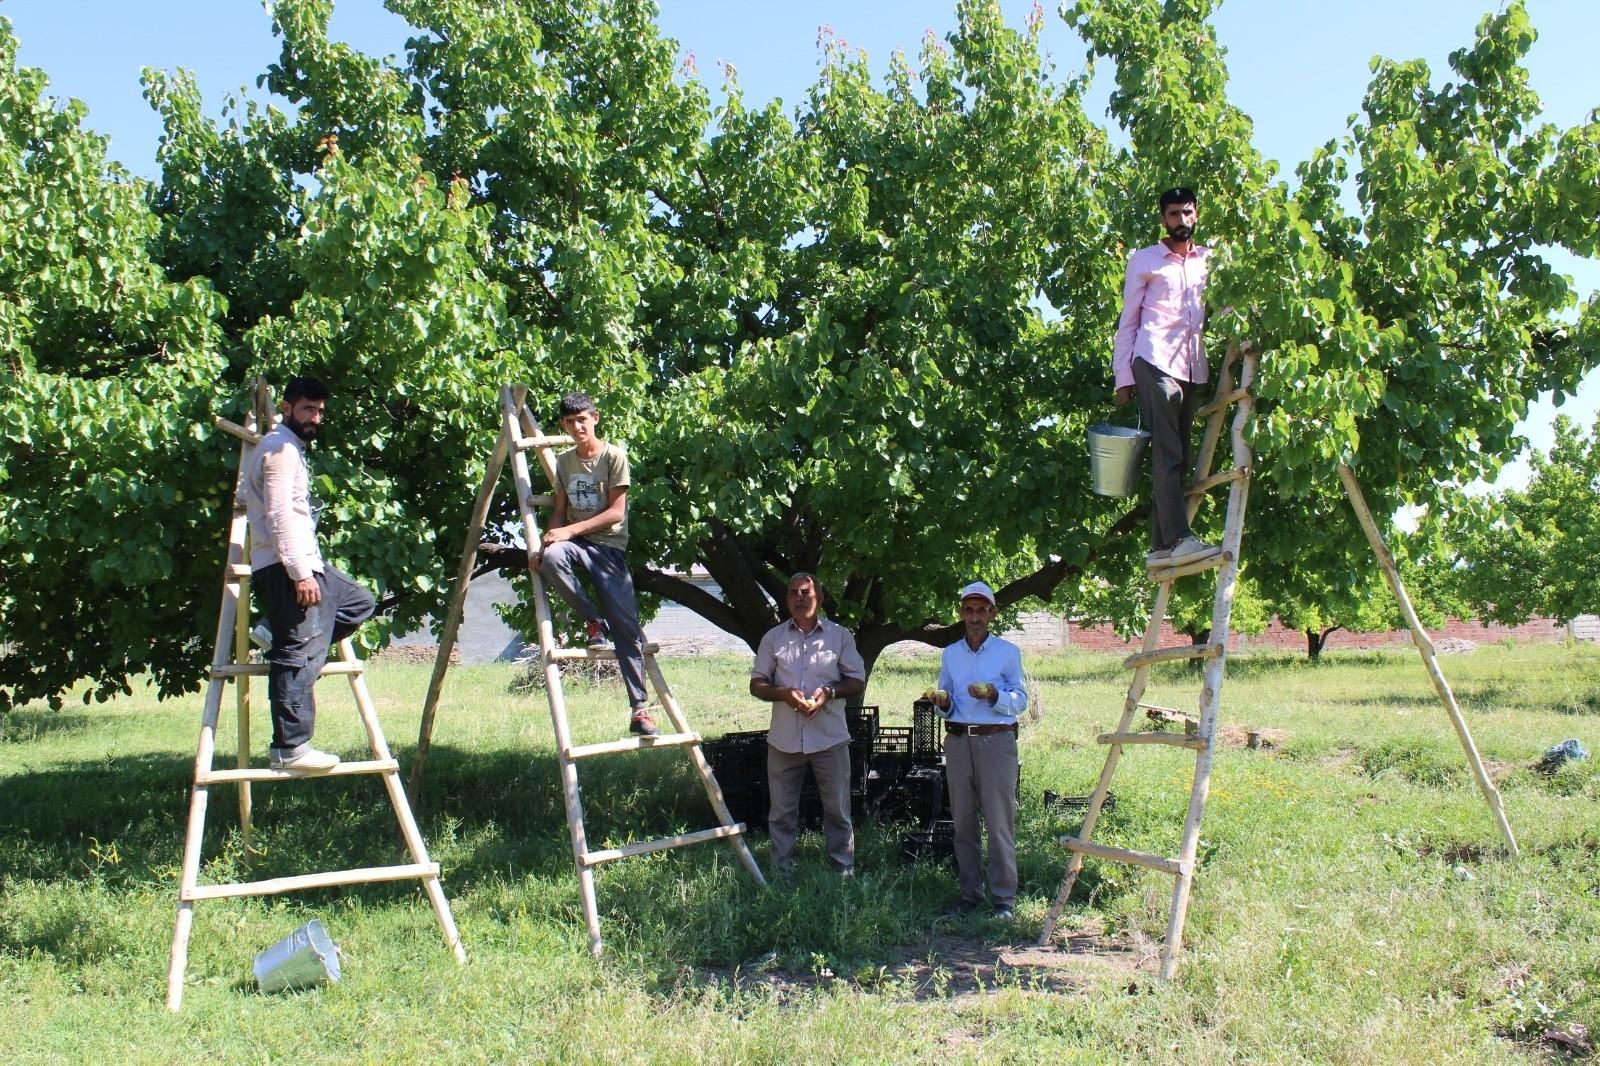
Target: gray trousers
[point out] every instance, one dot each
(1167, 406)
(300, 640)
(982, 777)
(607, 568)
(785, 772)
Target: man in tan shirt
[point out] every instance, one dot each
(806, 667)
(308, 603)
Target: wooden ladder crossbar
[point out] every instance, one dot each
(230, 665)
(520, 434)
(1214, 656)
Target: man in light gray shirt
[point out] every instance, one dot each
(309, 605)
(806, 667)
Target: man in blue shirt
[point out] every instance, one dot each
(980, 692)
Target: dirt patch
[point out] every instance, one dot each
(959, 969)
(415, 653)
(1249, 736)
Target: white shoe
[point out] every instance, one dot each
(1158, 558)
(1190, 549)
(304, 757)
(261, 636)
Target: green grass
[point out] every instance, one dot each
(1353, 906)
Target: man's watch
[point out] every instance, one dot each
(832, 692)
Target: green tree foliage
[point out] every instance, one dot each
(863, 339)
(1534, 551)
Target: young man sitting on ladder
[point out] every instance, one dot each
(589, 532)
(309, 605)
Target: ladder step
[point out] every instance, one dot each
(239, 570)
(262, 669)
(1132, 858)
(541, 501)
(611, 747)
(1172, 655)
(301, 882)
(344, 769)
(1223, 401)
(1192, 566)
(1171, 740)
(559, 440)
(645, 847)
(1217, 479)
(565, 654)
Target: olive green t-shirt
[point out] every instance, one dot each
(588, 484)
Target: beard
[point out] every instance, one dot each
(1180, 233)
(306, 431)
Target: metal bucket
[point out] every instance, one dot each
(1116, 454)
(306, 957)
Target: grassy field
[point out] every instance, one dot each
(1353, 905)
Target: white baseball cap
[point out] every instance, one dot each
(979, 588)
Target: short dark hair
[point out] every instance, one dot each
(304, 389)
(575, 403)
(1179, 195)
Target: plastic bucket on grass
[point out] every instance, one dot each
(306, 957)
(1116, 455)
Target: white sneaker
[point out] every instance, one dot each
(261, 636)
(1190, 549)
(1159, 558)
(304, 757)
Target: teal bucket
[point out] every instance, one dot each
(1116, 455)
(306, 957)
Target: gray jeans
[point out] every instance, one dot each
(786, 771)
(300, 640)
(982, 774)
(1167, 405)
(607, 568)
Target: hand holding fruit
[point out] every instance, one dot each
(937, 696)
(982, 690)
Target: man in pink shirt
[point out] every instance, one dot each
(309, 604)
(1160, 357)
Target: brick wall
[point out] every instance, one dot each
(1540, 630)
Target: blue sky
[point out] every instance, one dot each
(1298, 69)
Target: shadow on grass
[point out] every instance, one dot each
(109, 834)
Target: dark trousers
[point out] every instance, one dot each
(607, 568)
(786, 771)
(1167, 405)
(300, 640)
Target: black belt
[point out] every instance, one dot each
(961, 729)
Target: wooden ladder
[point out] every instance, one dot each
(230, 662)
(1213, 653)
(520, 434)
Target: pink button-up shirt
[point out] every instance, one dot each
(1162, 314)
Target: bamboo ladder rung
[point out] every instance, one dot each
(344, 769)
(1171, 740)
(1132, 858)
(611, 747)
(645, 847)
(566, 654)
(1173, 655)
(1207, 484)
(1193, 566)
(356, 666)
(301, 882)
(1222, 401)
(543, 440)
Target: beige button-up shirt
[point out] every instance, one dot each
(789, 658)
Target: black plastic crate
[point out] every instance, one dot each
(862, 722)
(935, 844)
(1056, 803)
(894, 740)
(927, 727)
